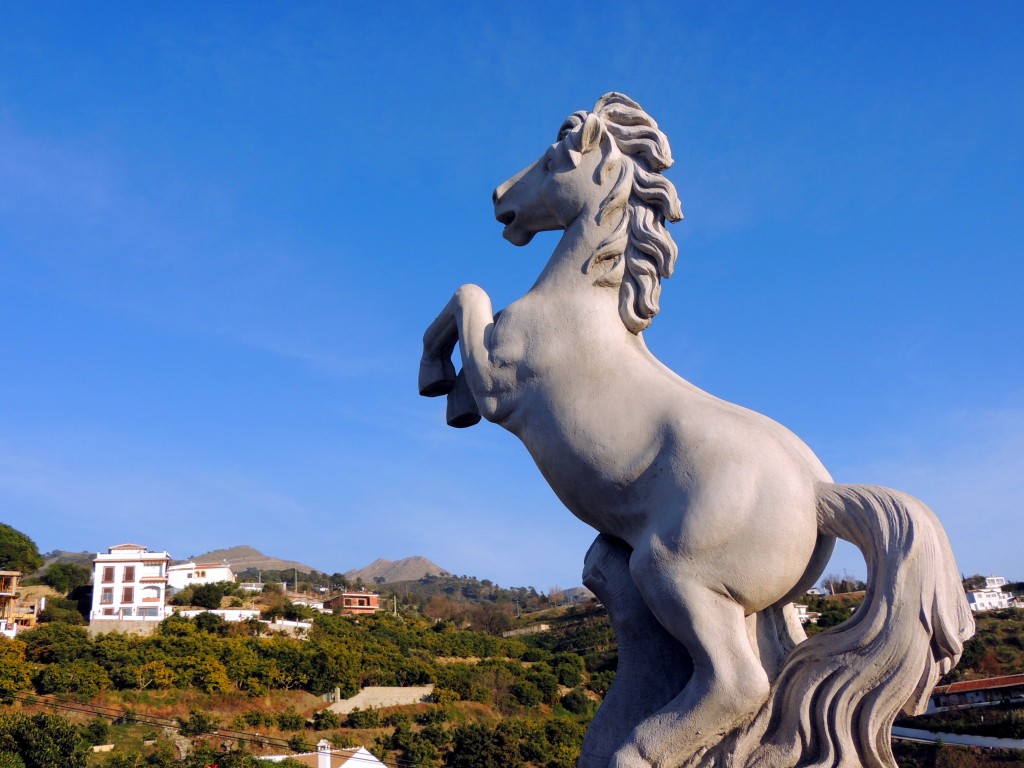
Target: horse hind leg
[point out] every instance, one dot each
(652, 666)
(728, 685)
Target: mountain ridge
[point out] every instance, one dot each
(387, 571)
(243, 557)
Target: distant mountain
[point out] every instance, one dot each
(245, 557)
(407, 569)
(61, 556)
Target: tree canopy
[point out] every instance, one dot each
(17, 551)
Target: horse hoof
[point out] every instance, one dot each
(462, 411)
(437, 377)
(464, 420)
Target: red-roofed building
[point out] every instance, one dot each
(991, 690)
(354, 602)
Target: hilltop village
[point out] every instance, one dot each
(129, 658)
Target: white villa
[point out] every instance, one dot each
(325, 757)
(195, 574)
(129, 584)
(991, 598)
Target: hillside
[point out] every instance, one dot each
(61, 556)
(383, 571)
(246, 557)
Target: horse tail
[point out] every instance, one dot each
(838, 693)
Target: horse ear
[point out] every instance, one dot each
(590, 133)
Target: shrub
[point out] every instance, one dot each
(325, 720)
(197, 724)
(95, 731)
(363, 718)
(576, 701)
(290, 720)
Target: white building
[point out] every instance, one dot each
(325, 757)
(991, 598)
(196, 574)
(129, 584)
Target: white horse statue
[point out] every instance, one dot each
(712, 517)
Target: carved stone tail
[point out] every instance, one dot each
(839, 692)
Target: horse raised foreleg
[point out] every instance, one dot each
(437, 373)
(728, 685)
(468, 320)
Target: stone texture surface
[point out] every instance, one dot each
(711, 517)
(378, 696)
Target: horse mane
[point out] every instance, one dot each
(639, 251)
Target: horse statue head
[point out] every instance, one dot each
(604, 169)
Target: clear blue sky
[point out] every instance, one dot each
(224, 227)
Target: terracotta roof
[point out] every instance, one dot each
(980, 685)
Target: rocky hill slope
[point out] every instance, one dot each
(245, 557)
(407, 569)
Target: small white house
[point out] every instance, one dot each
(197, 574)
(325, 757)
(991, 598)
(129, 584)
(804, 615)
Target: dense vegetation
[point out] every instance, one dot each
(17, 551)
(232, 691)
(498, 699)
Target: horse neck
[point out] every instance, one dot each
(564, 271)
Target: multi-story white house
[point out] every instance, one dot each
(195, 574)
(991, 598)
(129, 584)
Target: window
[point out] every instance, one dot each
(108, 611)
(107, 596)
(108, 574)
(128, 595)
(129, 573)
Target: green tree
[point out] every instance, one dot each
(65, 577)
(17, 551)
(85, 677)
(59, 609)
(363, 718)
(55, 642)
(576, 701)
(44, 741)
(95, 731)
(325, 720)
(15, 674)
(290, 720)
(208, 596)
(197, 723)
